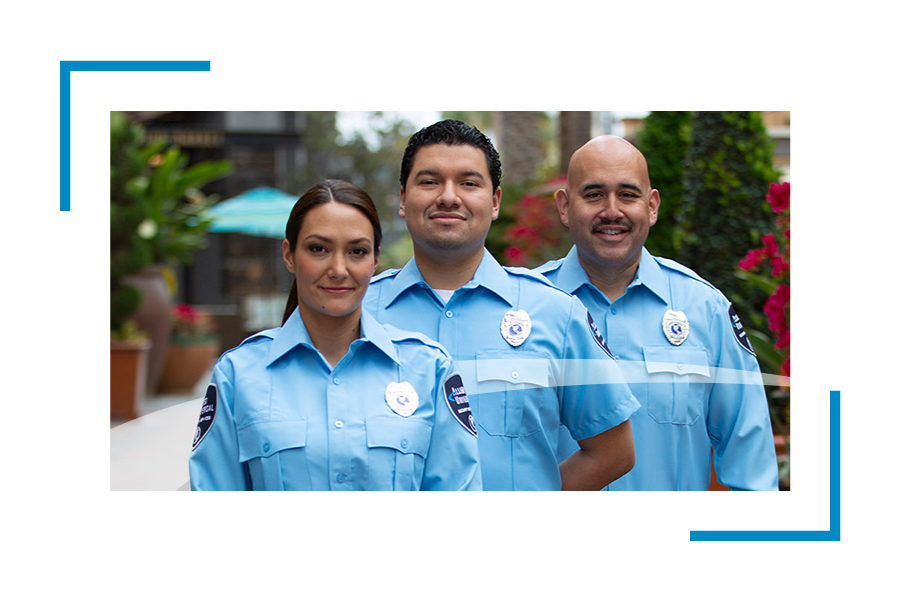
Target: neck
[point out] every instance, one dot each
(331, 335)
(611, 279)
(447, 273)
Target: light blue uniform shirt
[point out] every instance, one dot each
(277, 416)
(706, 391)
(519, 394)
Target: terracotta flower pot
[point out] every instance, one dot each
(186, 364)
(128, 378)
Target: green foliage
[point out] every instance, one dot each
(728, 168)
(664, 141)
(155, 209)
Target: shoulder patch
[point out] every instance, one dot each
(207, 415)
(458, 403)
(597, 335)
(740, 335)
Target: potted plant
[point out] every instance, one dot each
(156, 220)
(193, 348)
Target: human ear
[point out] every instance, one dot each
(562, 205)
(287, 255)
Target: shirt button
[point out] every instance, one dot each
(515, 375)
(613, 310)
(680, 367)
(339, 424)
(340, 478)
(403, 443)
(449, 313)
(336, 381)
(266, 447)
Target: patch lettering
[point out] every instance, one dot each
(458, 403)
(207, 415)
(597, 336)
(740, 335)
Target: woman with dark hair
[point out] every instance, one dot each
(333, 400)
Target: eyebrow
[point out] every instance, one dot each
(434, 172)
(330, 241)
(625, 185)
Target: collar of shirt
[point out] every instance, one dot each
(489, 275)
(571, 275)
(294, 332)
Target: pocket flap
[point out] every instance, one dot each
(262, 439)
(404, 434)
(679, 361)
(515, 368)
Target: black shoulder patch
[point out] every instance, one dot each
(458, 403)
(207, 415)
(597, 336)
(740, 335)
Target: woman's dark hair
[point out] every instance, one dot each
(452, 133)
(326, 191)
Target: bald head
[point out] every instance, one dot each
(609, 207)
(608, 150)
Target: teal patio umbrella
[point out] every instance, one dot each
(261, 211)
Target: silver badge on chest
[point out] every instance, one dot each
(401, 398)
(516, 327)
(675, 326)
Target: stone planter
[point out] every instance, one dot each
(128, 378)
(186, 364)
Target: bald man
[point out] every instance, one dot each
(675, 336)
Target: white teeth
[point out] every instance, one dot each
(611, 232)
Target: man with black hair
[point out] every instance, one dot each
(527, 352)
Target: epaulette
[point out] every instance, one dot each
(549, 266)
(525, 271)
(399, 335)
(385, 274)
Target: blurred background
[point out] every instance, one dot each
(199, 201)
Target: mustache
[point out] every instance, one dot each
(601, 224)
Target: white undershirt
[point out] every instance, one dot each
(444, 294)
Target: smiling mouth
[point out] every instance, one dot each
(336, 290)
(611, 229)
(446, 217)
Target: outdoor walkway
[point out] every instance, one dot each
(152, 451)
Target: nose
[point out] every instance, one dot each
(338, 267)
(610, 208)
(448, 196)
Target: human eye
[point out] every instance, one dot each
(360, 252)
(316, 249)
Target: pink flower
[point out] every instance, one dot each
(785, 367)
(784, 340)
(770, 245)
(780, 266)
(779, 197)
(752, 259)
(514, 255)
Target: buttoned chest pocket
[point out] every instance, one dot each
(511, 388)
(398, 447)
(678, 384)
(275, 454)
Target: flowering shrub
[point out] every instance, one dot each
(191, 326)
(775, 277)
(537, 234)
